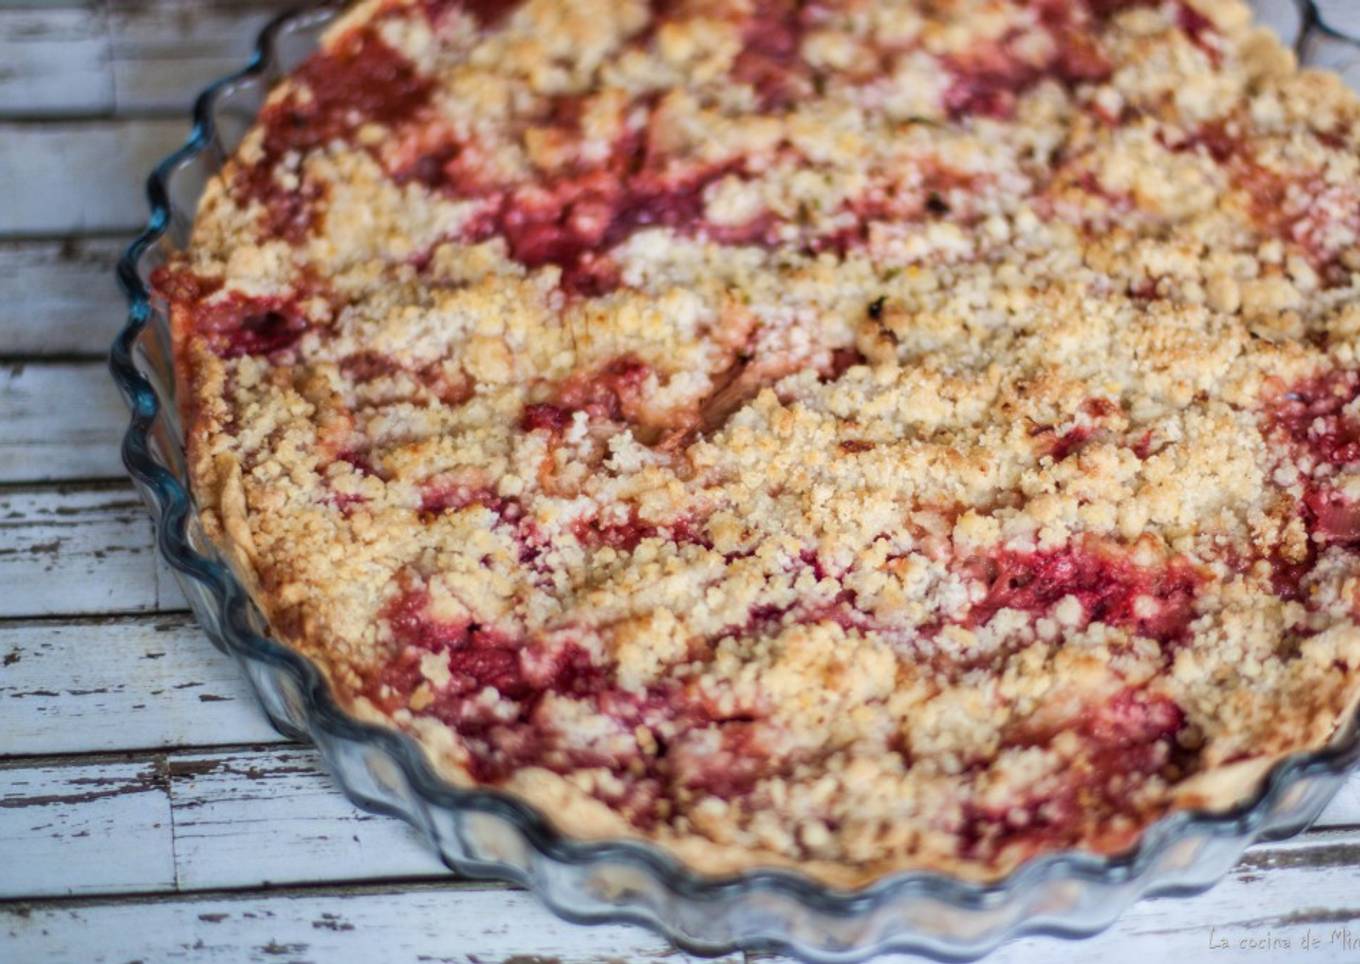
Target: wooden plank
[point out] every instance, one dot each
(230, 819)
(60, 421)
(245, 817)
(276, 816)
(54, 60)
(59, 297)
(73, 176)
(79, 551)
(239, 819)
(84, 829)
(163, 52)
(454, 923)
(158, 677)
(1265, 910)
(1313, 900)
(99, 58)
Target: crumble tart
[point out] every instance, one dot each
(857, 436)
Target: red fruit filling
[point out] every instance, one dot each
(769, 61)
(507, 738)
(1311, 418)
(1061, 446)
(238, 325)
(359, 460)
(1312, 415)
(345, 501)
(1154, 602)
(1214, 139)
(1298, 207)
(733, 769)
(611, 393)
(1133, 718)
(439, 497)
(1199, 28)
(624, 535)
(1108, 8)
(1070, 442)
(478, 657)
(574, 222)
(365, 366)
(1124, 741)
(1331, 517)
(1287, 575)
(575, 217)
(545, 416)
(989, 79)
(488, 13)
(359, 79)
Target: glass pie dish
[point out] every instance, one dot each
(489, 834)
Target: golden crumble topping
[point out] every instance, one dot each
(851, 434)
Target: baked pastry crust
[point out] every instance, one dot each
(853, 436)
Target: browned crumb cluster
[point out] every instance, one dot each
(848, 434)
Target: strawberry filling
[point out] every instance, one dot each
(612, 393)
(1156, 602)
(574, 222)
(1299, 207)
(623, 535)
(988, 80)
(1314, 417)
(1123, 742)
(1199, 28)
(769, 61)
(488, 13)
(235, 324)
(1061, 446)
(357, 80)
(438, 497)
(514, 731)
(238, 325)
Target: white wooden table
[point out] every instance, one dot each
(147, 810)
